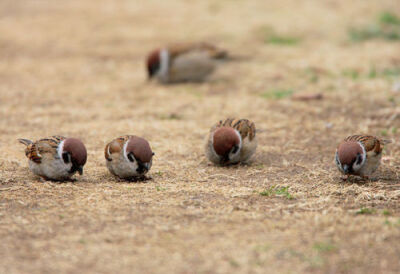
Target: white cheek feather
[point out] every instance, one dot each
(235, 156)
(124, 151)
(108, 150)
(364, 152)
(60, 149)
(130, 165)
(364, 157)
(240, 139)
(212, 146)
(164, 63)
(337, 161)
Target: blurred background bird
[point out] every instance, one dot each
(186, 62)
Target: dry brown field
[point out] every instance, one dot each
(76, 68)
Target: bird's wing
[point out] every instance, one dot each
(36, 150)
(183, 48)
(371, 143)
(115, 146)
(245, 127)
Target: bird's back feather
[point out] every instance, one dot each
(370, 143)
(115, 146)
(245, 127)
(35, 150)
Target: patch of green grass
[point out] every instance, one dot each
(268, 192)
(365, 211)
(392, 224)
(386, 28)
(351, 73)
(384, 132)
(386, 212)
(159, 188)
(314, 78)
(364, 33)
(269, 36)
(312, 75)
(388, 18)
(276, 39)
(170, 116)
(394, 130)
(259, 166)
(372, 73)
(277, 94)
(277, 191)
(391, 72)
(324, 247)
(315, 261)
(263, 248)
(234, 263)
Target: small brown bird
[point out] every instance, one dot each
(359, 155)
(55, 158)
(128, 156)
(183, 62)
(231, 141)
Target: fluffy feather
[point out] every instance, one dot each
(245, 129)
(128, 156)
(369, 156)
(45, 158)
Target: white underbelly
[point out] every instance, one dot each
(54, 169)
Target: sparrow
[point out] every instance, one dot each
(55, 158)
(231, 141)
(128, 156)
(359, 155)
(183, 62)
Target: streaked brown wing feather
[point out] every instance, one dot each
(32, 153)
(46, 145)
(245, 127)
(181, 48)
(370, 143)
(115, 146)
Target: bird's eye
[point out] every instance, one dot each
(66, 157)
(131, 157)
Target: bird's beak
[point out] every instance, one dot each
(346, 169)
(225, 159)
(143, 167)
(80, 170)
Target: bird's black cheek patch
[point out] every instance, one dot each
(131, 157)
(359, 159)
(235, 149)
(65, 157)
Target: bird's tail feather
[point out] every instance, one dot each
(25, 141)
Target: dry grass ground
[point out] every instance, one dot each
(76, 68)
